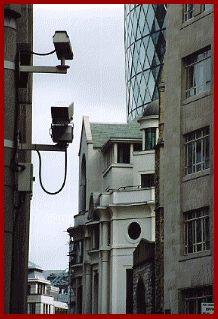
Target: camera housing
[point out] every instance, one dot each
(62, 45)
(61, 129)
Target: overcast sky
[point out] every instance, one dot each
(96, 84)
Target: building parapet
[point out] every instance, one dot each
(128, 195)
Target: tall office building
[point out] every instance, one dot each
(144, 38)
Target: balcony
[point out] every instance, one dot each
(128, 196)
(81, 218)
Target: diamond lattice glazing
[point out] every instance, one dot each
(144, 37)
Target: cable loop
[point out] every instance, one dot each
(40, 174)
(43, 54)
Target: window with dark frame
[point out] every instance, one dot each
(188, 11)
(32, 308)
(41, 289)
(29, 290)
(123, 153)
(137, 147)
(197, 155)
(79, 252)
(150, 138)
(147, 180)
(198, 72)
(196, 231)
(206, 6)
(95, 244)
(129, 291)
(194, 297)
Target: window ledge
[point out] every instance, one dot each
(196, 175)
(196, 18)
(135, 153)
(117, 165)
(196, 97)
(195, 255)
(76, 265)
(93, 251)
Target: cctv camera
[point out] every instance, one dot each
(62, 134)
(62, 45)
(61, 130)
(62, 115)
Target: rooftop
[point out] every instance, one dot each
(102, 132)
(151, 109)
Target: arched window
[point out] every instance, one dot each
(140, 294)
(83, 185)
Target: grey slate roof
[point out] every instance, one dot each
(35, 271)
(32, 266)
(102, 132)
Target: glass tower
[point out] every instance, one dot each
(145, 41)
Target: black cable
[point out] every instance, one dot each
(40, 174)
(43, 54)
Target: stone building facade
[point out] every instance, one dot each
(188, 158)
(43, 297)
(159, 205)
(116, 210)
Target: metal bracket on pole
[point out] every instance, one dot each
(43, 69)
(42, 147)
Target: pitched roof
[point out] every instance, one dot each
(102, 132)
(33, 266)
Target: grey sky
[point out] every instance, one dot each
(96, 84)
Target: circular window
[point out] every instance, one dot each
(134, 230)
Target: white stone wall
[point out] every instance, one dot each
(143, 163)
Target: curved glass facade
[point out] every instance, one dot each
(145, 41)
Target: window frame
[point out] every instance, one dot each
(196, 296)
(198, 78)
(187, 10)
(32, 308)
(197, 151)
(196, 231)
(150, 141)
(150, 180)
(123, 153)
(206, 7)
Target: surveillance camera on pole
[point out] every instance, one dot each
(62, 47)
(61, 127)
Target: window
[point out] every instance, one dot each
(95, 239)
(140, 295)
(129, 291)
(197, 151)
(206, 6)
(32, 308)
(76, 252)
(109, 156)
(137, 147)
(147, 180)
(41, 289)
(29, 290)
(79, 252)
(134, 230)
(196, 229)
(123, 154)
(194, 297)
(150, 138)
(198, 72)
(188, 11)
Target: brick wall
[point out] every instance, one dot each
(146, 272)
